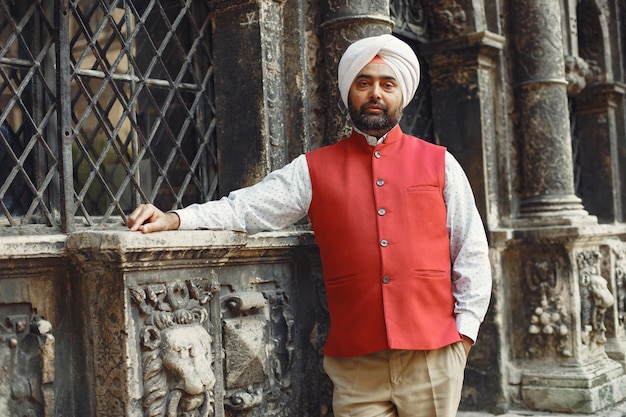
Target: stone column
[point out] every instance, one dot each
(462, 72)
(543, 131)
(249, 90)
(598, 151)
(344, 22)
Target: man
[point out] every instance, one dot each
(394, 218)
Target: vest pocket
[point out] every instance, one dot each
(431, 274)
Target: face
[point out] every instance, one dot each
(187, 355)
(375, 99)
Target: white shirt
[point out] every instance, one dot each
(284, 196)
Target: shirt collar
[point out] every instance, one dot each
(373, 140)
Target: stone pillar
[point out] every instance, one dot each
(543, 130)
(561, 309)
(559, 291)
(344, 22)
(462, 73)
(249, 90)
(598, 153)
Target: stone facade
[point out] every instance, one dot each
(528, 95)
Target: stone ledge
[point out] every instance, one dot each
(32, 246)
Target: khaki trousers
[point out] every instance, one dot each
(398, 383)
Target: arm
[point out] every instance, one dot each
(281, 199)
(469, 252)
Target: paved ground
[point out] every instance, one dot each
(617, 411)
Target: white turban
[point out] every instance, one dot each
(397, 54)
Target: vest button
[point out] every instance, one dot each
(382, 212)
(384, 243)
(380, 183)
(386, 279)
(377, 154)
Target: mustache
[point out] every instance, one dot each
(376, 103)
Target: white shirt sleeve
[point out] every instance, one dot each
(280, 200)
(469, 251)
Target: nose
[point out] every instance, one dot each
(375, 91)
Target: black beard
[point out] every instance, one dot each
(373, 124)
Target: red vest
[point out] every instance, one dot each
(380, 222)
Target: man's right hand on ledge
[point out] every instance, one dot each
(147, 219)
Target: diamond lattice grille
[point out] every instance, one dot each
(28, 162)
(139, 103)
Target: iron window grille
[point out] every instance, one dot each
(104, 104)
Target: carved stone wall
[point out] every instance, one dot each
(208, 324)
(35, 329)
(528, 95)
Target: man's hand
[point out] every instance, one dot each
(467, 344)
(147, 219)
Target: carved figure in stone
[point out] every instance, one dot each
(177, 358)
(447, 18)
(576, 73)
(596, 297)
(620, 284)
(601, 300)
(579, 73)
(26, 366)
(549, 323)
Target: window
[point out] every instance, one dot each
(104, 104)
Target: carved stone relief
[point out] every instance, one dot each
(26, 363)
(257, 331)
(538, 41)
(447, 18)
(577, 73)
(442, 19)
(182, 326)
(176, 349)
(409, 16)
(270, 19)
(595, 298)
(620, 282)
(549, 322)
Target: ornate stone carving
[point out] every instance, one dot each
(549, 326)
(447, 19)
(620, 281)
(579, 73)
(26, 363)
(547, 180)
(270, 20)
(176, 349)
(409, 16)
(257, 334)
(595, 298)
(538, 41)
(576, 73)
